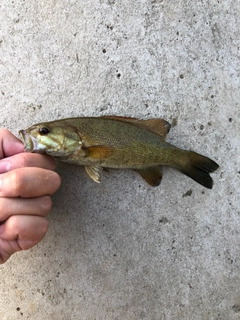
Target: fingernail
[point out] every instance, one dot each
(4, 166)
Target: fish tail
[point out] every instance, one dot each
(198, 168)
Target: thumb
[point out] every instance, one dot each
(9, 144)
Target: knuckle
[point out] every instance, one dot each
(17, 183)
(23, 160)
(57, 180)
(54, 181)
(51, 161)
(44, 226)
(13, 225)
(46, 205)
(2, 208)
(4, 132)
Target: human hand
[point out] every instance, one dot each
(26, 182)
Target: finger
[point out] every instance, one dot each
(27, 160)
(29, 183)
(26, 230)
(9, 144)
(40, 206)
(7, 248)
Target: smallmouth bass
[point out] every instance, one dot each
(117, 142)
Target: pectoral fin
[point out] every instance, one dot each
(159, 126)
(98, 152)
(152, 175)
(94, 173)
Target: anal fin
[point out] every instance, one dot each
(152, 175)
(94, 173)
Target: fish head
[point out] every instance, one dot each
(51, 138)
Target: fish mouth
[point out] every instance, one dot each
(30, 143)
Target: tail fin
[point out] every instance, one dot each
(198, 168)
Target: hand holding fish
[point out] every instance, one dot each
(26, 183)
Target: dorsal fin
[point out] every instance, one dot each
(156, 125)
(159, 126)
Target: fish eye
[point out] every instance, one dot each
(44, 130)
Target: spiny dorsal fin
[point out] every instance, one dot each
(94, 173)
(121, 118)
(152, 175)
(159, 126)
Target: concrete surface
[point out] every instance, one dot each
(121, 249)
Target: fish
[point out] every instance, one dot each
(117, 142)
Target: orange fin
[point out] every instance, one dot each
(159, 126)
(98, 152)
(152, 175)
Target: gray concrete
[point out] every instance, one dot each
(121, 249)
